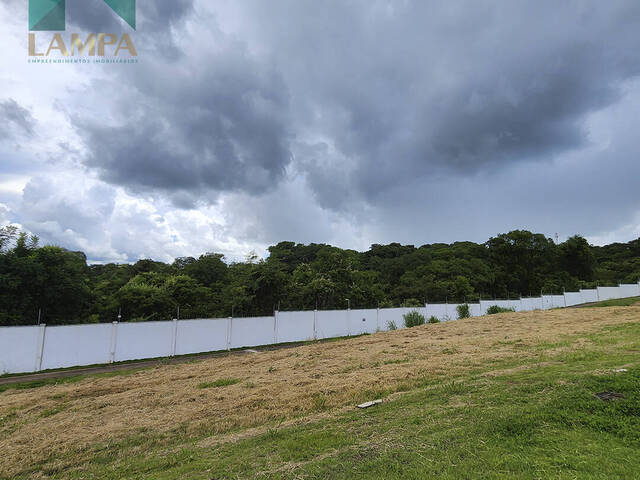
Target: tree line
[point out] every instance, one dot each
(57, 286)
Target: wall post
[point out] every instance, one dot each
(275, 327)
(229, 327)
(521, 304)
(174, 338)
(40, 346)
(114, 340)
(315, 324)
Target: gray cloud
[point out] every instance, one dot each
(351, 123)
(151, 17)
(407, 90)
(15, 119)
(219, 126)
(154, 21)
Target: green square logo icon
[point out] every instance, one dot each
(49, 15)
(46, 15)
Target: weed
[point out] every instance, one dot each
(221, 382)
(493, 309)
(413, 319)
(463, 310)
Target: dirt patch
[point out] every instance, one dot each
(609, 396)
(273, 386)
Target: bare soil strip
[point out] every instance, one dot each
(136, 364)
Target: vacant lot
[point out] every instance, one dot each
(491, 397)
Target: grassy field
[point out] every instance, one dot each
(506, 396)
(618, 302)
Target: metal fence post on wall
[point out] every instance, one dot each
(112, 344)
(40, 346)
(521, 304)
(229, 326)
(315, 324)
(174, 335)
(275, 327)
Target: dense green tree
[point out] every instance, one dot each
(577, 258)
(209, 269)
(64, 289)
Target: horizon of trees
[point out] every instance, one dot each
(59, 287)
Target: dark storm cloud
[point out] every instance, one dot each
(410, 89)
(414, 90)
(15, 119)
(374, 93)
(217, 126)
(154, 20)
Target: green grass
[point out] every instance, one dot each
(221, 382)
(536, 417)
(63, 380)
(543, 420)
(618, 302)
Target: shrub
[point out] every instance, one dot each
(434, 319)
(391, 325)
(463, 310)
(413, 319)
(493, 309)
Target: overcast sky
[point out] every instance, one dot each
(350, 122)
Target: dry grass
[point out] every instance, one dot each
(55, 420)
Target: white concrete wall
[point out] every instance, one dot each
(295, 326)
(475, 309)
(589, 296)
(143, 340)
(557, 301)
(363, 321)
(532, 303)
(392, 315)
(547, 302)
(608, 293)
(201, 335)
(252, 331)
(20, 349)
(573, 298)
(441, 311)
(28, 349)
(332, 323)
(630, 290)
(71, 345)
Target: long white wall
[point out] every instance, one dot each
(35, 348)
